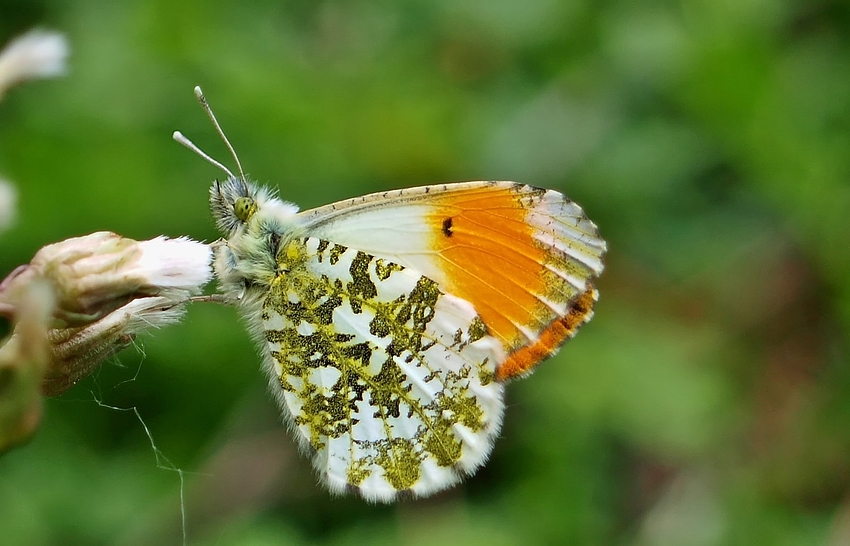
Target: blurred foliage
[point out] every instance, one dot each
(707, 403)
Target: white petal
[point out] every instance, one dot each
(36, 54)
(181, 264)
(8, 200)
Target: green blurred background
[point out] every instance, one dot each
(707, 403)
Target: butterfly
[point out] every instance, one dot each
(390, 323)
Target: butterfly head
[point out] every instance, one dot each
(233, 202)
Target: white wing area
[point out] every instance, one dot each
(389, 380)
(393, 226)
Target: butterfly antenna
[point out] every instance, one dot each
(206, 106)
(178, 136)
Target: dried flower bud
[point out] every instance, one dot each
(36, 54)
(107, 290)
(98, 273)
(77, 352)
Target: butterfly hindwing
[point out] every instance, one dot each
(387, 378)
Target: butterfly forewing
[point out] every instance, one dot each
(389, 379)
(524, 257)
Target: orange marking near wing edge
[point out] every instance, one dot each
(489, 256)
(524, 359)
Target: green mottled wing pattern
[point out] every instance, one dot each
(388, 380)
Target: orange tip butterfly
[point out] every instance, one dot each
(389, 323)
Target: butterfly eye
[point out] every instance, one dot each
(244, 208)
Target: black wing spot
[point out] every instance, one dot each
(447, 227)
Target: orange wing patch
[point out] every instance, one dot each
(481, 231)
(497, 254)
